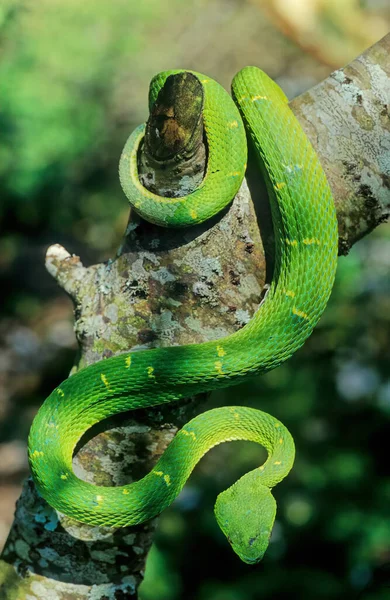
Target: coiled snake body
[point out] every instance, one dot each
(306, 250)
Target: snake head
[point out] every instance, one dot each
(246, 512)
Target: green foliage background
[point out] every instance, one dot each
(74, 82)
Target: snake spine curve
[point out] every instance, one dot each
(305, 230)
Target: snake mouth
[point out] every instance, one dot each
(250, 560)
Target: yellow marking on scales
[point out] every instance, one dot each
(258, 97)
(218, 367)
(125, 492)
(151, 373)
(232, 124)
(277, 462)
(64, 476)
(99, 499)
(242, 98)
(193, 214)
(37, 454)
(220, 351)
(262, 468)
(280, 185)
(300, 313)
(234, 174)
(166, 478)
(60, 392)
(105, 381)
(292, 168)
(277, 424)
(204, 80)
(234, 412)
(291, 242)
(280, 440)
(190, 433)
(311, 241)
(128, 362)
(289, 293)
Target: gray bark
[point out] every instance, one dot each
(169, 287)
(347, 118)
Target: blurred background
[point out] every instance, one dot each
(74, 81)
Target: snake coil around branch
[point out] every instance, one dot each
(305, 230)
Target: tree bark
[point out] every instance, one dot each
(169, 287)
(347, 118)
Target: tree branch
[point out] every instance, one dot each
(347, 119)
(168, 287)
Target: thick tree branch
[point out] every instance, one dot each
(347, 118)
(170, 287)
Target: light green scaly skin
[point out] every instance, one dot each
(306, 251)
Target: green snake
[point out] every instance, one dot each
(305, 233)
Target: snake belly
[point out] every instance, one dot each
(305, 230)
